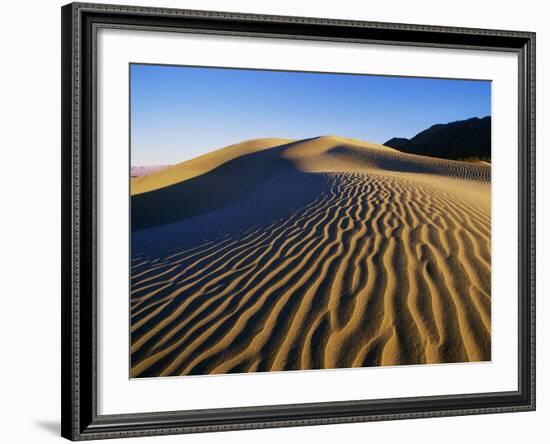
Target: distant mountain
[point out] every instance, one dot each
(138, 171)
(461, 140)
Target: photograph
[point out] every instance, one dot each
(295, 220)
(275, 222)
(277, 217)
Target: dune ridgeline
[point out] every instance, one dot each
(275, 254)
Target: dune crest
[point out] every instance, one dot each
(200, 165)
(320, 253)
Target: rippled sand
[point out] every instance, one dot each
(321, 253)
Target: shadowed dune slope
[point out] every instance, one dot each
(320, 253)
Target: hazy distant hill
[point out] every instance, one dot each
(461, 140)
(138, 171)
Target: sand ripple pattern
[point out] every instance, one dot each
(376, 270)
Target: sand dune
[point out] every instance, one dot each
(200, 165)
(321, 253)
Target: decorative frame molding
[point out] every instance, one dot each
(80, 22)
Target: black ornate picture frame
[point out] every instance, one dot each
(80, 419)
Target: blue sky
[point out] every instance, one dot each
(179, 112)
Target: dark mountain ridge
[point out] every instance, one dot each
(461, 140)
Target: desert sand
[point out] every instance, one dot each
(321, 253)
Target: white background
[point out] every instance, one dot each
(30, 234)
(118, 394)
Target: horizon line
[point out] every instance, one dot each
(302, 139)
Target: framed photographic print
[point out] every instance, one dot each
(279, 221)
